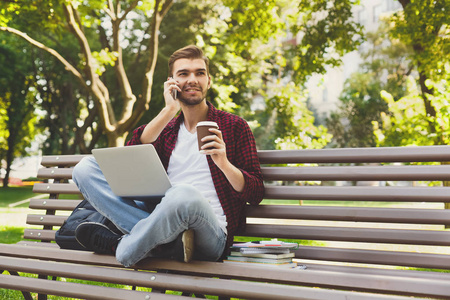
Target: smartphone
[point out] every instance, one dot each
(174, 94)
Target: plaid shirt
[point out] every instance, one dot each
(241, 152)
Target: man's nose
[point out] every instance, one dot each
(192, 78)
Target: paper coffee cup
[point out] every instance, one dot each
(203, 130)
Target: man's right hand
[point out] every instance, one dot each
(169, 86)
(156, 126)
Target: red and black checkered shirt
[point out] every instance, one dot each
(241, 152)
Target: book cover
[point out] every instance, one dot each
(264, 255)
(263, 250)
(260, 260)
(267, 244)
(243, 263)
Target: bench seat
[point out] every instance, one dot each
(390, 243)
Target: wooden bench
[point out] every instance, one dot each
(362, 251)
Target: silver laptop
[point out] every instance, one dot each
(133, 171)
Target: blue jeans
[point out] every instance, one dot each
(147, 225)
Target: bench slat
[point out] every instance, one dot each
(351, 214)
(55, 173)
(358, 173)
(56, 188)
(386, 154)
(359, 193)
(321, 173)
(349, 234)
(39, 234)
(57, 204)
(61, 160)
(327, 213)
(377, 257)
(356, 155)
(77, 290)
(46, 220)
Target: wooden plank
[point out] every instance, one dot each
(55, 173)
(77, 290)
(39, 234)
(358, 173)
(46, 220)
(56, 188)
(351, 214)
(349, 234)
(352, 155)
(377, 257)
(359, 193)
(61, 160)
(321, 173)
(56, 204)
(357, 155)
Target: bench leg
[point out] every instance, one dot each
(42, 296)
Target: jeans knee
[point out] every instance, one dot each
(187, 196)
(82, 169)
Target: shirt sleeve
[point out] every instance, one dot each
(136, 136)
(247, 161)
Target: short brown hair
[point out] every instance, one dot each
(189, 52)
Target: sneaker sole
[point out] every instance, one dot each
(188, 244)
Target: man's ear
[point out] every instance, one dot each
(209, 82)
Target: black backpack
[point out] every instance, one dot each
(84, 212)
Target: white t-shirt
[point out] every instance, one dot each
(188, 165)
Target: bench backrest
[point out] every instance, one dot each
(358, 205)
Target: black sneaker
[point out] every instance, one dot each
(97, 237)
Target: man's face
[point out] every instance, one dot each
(193, 78)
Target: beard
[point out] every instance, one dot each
(192, 100)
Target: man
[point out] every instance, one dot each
(205, 206)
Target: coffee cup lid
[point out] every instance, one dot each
(207, 123)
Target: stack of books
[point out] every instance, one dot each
(263, 253)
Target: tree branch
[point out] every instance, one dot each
(130, 8)
(51, 51)
(97, 87)
(144, 99)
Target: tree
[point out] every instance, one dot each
(423, 25)
(242, 38)
(275, 66)
(18, 121)
(386, 66)
(82, 19)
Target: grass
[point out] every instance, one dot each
(14, 194)
(10, 235)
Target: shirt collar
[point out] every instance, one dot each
(212, 112)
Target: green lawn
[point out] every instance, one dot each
(14, 194)
(10, 235)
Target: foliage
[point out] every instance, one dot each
(386, 66)
(421, 116)
(112, 49)
(287, 122)
(423, 25)
(407, 122)
(18, 121)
